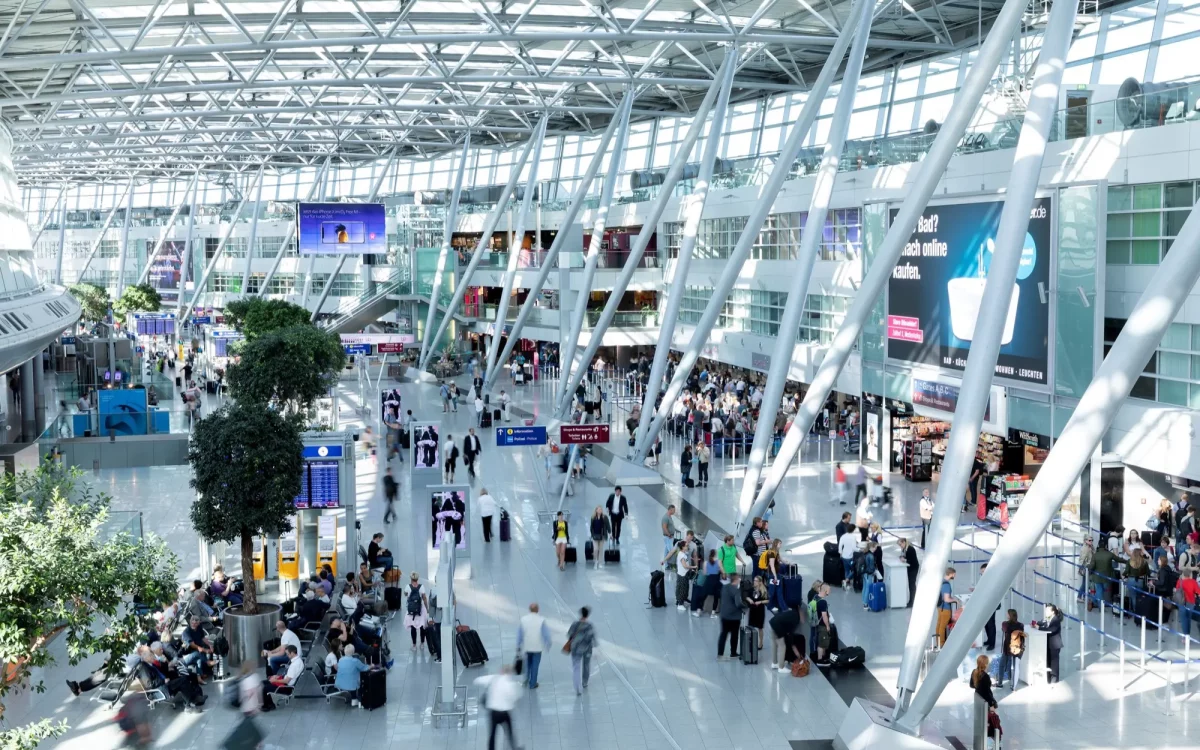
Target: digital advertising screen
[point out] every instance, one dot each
(341, 228)
(425, 442)
(167, 272)
(449, 511)
(936, 290)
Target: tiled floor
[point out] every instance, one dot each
(656, 682)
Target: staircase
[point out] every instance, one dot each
(354, 314)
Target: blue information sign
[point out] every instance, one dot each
(535, 435)
(357, 349)
(322, 451)
(201, 319)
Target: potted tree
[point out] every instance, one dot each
(246, 458)
(138, 298)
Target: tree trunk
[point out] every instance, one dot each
(250, 592)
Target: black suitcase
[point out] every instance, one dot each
(210, 387)
(832, 570)
(857, 568)
(433, 638)
(178, 381)
(404, 439)
(749, 644)
(689, 482)
(496, 414)
(373, 692)
(589, 550)
(394, 597)
(470, 648)
(571, 555)
(658, 589)
(505, 527)
(612, 555)
(485, 419)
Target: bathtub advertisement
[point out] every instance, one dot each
(937, 287)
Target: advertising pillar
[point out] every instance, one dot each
(289, 561)
(260, 560)
(327, 533)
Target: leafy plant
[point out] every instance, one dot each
(63, 577)
(291, 367)
(138, 298)
(246, 460)
(93, 298)
(254, 316)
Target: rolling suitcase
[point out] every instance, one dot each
(749, 644)
(793, 591)
(394, 598)
(495, 415)
(178, 381)
(570, 555)
(877, 596)
(485, 419)
(433, 638)
(857, 568)
(505, 527)
(612, 555)
(832, 570)
(658, 589)
(589, 550)
(374, 688)
(470, 648)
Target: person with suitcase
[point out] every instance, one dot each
(600, 529)
(533, 638)
(561, 534)
(581, 639)
(504, 400)
(487, 509)
(617, 507)
(685, 466)
(869, 574)
(472, 447)
(731, 605)
(416, 609)
(685, 570)
(501, 692)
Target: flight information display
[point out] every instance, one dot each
(319, 487)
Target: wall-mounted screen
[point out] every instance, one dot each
(449, 511)
(425, 446)
(319, 486)
(341, 228)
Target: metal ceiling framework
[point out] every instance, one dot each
(108, 90)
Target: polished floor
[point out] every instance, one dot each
(656, 682)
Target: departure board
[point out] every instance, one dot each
(319, 486)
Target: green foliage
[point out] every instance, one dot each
(254, 316)
(93, 298)
(290, 368)
(65, 577)
(138, 298)
(246, 460)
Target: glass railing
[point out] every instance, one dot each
(526, 259)
(625, 319)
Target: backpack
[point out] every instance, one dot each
(413, 607)
(750, 546)
(812, 610)
(1016, 642)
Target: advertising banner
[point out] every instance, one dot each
(166, 274)
(571, 434)
(937, 287)
(872, 436)
(341, 228)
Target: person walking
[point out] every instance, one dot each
(561, 535)
(703, 455)
(1052, 626)
(500, 695)
(618, 508)
(389, 495)
(860, 483)
(487, 509)
(451, 460)
(730, 608)
(533, 638)
(600, 529)
(926, 510)
(839, 485)
(471, 450)
(581, 639)
(946, 604)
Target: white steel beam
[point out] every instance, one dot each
(318, 180)
(104, 228)
(253, 232)
(447, 237)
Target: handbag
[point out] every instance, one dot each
(460, 628)
(566, 649)
(800, 668)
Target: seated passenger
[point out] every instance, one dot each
(278, 657)
(197, 648)
(349, 671)
(285, 682)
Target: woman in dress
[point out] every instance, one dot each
(758, 607)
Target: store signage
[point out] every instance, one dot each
(534, 435)
(391, 348)
(1032, 439)
(936, 290)
(572, 434)
(376, 339)
(940, 396)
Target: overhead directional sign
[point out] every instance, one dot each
(535, 435)
(571, 434)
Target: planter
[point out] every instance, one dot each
(246, 633)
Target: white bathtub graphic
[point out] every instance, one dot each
(966, 295)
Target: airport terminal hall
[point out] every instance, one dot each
(600, 374)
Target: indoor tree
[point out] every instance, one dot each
(138, 298)
(93, 298)
(64, 577)
(290, 368)
(246, 461)
(254, 316)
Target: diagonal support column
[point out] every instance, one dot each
(319, 179)
(387, 168)
(928, 174)
(989, 328)
(489, 226)
(253, 232)
(208, 269)
(793, 310)
(592, 258)
(576, 205)
(312, 259)
(514, 251)
(447, 236)
(185, 267)
(733, 266)
(123, 256)
(168, 228)
(59, 201)
(675, 286)
(103, 228)
(649, 227)
(62, 243)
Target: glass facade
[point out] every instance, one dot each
(779, 238)
(1172, 376)
(1143, 220)
(759, 312)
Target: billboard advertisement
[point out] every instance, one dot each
(341, 228)
(936, 290)
(166, 273)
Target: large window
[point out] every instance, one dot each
(779, 238)
(1143, 220)
(759, 312)
(1172, 376)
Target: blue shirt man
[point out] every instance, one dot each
(349, 671)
